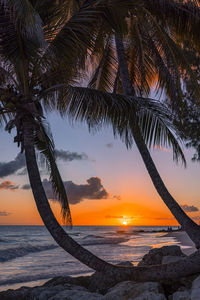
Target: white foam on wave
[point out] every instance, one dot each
(12, 253)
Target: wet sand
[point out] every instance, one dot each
(187, 246)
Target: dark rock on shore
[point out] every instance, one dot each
(80, 280)
(157, 255)
(138, 291)
(15, 294)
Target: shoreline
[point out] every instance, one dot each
(181, 239)
(187, 246)
(93, 287)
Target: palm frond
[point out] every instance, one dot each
(106, 71)
(74, 43)
(44, 143)
(186, 68)
(171, 58)
(159, 131)
(123, 113)
(26, 18)
(182, 16)
(21, 30)
(55, 14)
(4, 117)
(140, 63)
(7, 76)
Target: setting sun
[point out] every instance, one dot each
(124, 223)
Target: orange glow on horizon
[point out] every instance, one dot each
(22, 211)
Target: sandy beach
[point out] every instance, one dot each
(187, 246)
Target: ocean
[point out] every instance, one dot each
(29, 256)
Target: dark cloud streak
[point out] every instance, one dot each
(76, 193)
(4, 213)
(15, 165)
(189, 208)
(119, 217)
(11, 167)
(8, 185)
(109, 145)
(26, 187)
(69, 156)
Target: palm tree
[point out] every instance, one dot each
(192, 229)
(149, 51)
(32, 41)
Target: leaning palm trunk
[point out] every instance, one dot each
(190, 265)
(192, 229)
(44, 209)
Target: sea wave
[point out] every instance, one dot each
(3, 241)
(93, 236)
(35, 277)
(12, 253)
(98, 240)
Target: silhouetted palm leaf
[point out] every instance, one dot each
(98, 108)
(44, 143)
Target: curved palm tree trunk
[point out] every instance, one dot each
(192, 229)
(44, 209)
(188, 266)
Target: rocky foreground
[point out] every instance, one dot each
(95, 287)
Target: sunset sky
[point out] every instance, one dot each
(126, 194)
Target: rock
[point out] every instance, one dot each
(195, 292)
(46, 293)
(58, 292)
(172, 286)
(155, 256)
(15, 294)
(169, 259)
(76, 295)
(196, 283)
(80, 281)
(150, 296)
(126, 263)
(181, 295)
(135, 291)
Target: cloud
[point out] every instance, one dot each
(113, 217)
(69, 156)
(189, 208)
(109, 145)
(15, 165)
(22, 172)
(11, 167)
(166, 218)
(8, 185)
(119, 217)
(26, 186)
(4, 213)
(118, 197)
(76, 193)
